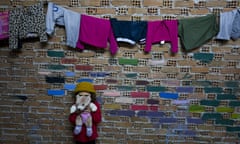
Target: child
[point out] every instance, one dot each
(82, 136)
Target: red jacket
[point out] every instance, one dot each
(96, 118)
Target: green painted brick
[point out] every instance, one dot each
(56, 67)
(203, 57)
(224, 109)
(231, 84)
(202, 83)
(233, 129)
(224, 122)
(216, 116)
(210, 102)
(156, 88)
(196, 108)
(124, 61)
(234, 103)
(51, 53)
(131, 75)
(235, 116)
(213, 90)
(226, 97)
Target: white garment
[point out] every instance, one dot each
(226, 24)
(57, 15)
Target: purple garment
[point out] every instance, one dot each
(85, 116)
(96, 32)
(4, 25)
(165, 30)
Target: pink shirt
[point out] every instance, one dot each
(165, 30)
(96, 32)
(4, 25)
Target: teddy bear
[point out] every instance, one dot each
(84, 105)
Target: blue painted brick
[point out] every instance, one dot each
(56, 92)
(98, 74)
(184, 89)
(189, 132)
(84, 80)
(70, 74)
(168, 95)
(69, 87)
(122, 113)
(150, 114)
(152, 101)
(167, 120)
(194, 120)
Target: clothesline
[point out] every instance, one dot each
(82, 29)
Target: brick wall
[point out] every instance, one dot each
(160, 98)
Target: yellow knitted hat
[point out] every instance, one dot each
(85, 87)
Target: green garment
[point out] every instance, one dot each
(194, 32)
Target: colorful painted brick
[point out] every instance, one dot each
(121, 113)
(140, 94)
(216, 116)
(150, 114)
(84, 80)
(168, 95)
(124, 61)
(226, 97)
(213, 90)
(54, 79)
(224, 109)
(56, 92)
(184, 89)
(84, 67)
(70, 74)
(194, 121)
(203, 57)
(196, 108)
(69, 87)
(56, 67)
(52, 53)
(224, 121)
(155, 88)
(139, 107)
(210, 102)
(234, 103)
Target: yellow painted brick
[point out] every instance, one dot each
(112, 106)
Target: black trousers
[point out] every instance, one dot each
(90, 142)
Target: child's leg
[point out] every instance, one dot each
(89, 126)
(78, 126)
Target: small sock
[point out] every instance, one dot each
(77, 129)
(89, 131)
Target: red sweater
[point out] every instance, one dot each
(96, 118)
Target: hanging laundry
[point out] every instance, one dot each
(131, 32)
(57, 15)
(235, 34)
(194, 32)
(4, 25)
(226, 25)
(165, 30)
(24, 21)
(96, 32)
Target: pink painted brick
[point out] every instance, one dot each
(100, 87)
(140, 94)
(139, 107)
(84, 67)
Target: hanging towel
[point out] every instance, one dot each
(226, 25)
(57, 15)
(4, 25)
(24, 21)
(235, 34)
(96, 32)
(194, 32)
(131, 32)
(165, 30)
